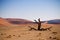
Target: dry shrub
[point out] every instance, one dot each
(9, 36)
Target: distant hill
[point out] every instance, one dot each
(18, 21)
(13, 21)
(55, 21)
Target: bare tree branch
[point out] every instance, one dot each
(39, 20)
(35, 21)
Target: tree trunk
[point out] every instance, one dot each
(39, 24)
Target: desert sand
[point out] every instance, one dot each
(22, 32)
(10, 31)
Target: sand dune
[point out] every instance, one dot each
(23, 33)
(4, 22)
(14, 22)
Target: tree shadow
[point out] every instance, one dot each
(41, 29)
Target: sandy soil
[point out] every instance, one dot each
(22, 32)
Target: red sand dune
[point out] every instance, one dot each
(4, 22)
(13, 21)
(18, 21)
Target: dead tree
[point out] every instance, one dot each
(39, 26)
(39, 23)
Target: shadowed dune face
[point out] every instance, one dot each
(18, 21)
(14, 21)
(56, 21)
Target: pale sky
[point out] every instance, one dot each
(30, 9)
